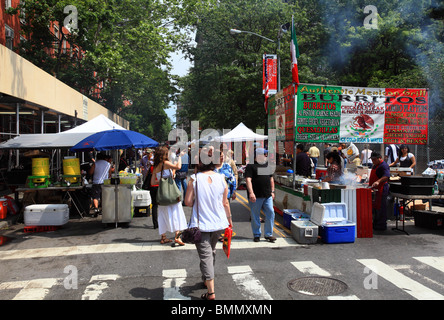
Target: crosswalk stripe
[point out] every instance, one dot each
(35, 289)
(403, 282)
(309, 267)
(435, 262)
(174, 279)
(131, 247)
(97, 285)
(243, 277)
(250, 286)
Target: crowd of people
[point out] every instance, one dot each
(209, 190)
(308, 157)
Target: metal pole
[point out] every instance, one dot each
(17, 126)
(279, 65)
(116, 187)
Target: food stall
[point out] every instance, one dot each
(119, 192)
(353, 116)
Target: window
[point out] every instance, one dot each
(7, 4)
(9, 32)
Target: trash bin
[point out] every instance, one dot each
(125, 203)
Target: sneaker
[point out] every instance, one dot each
(256, 239)
(271, 239)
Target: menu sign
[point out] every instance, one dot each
(318, 114)
(406, 116)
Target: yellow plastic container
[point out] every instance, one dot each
(71, 167)
(40, 167)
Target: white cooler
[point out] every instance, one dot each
(46, 215)
(141, 198)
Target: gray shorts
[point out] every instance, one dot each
(207, 253)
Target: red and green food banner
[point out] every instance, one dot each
(281, 113)
(361, 115)
(318, 113)
(406, 116)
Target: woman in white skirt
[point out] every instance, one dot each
(171, 218)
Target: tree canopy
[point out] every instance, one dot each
(404, 48)
(126, 44)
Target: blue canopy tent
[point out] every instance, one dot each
(114, 140)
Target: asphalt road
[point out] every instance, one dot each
(88, 260)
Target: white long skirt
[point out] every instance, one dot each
(171, 218)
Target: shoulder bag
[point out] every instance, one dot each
(168, 192)
(192, 235)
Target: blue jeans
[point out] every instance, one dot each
(255, 207)
(180, 183)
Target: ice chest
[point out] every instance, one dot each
(304, 231)
(141, 198)
(332, 219)
(46, 215)
(293, 214)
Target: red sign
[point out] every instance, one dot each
(271, 73)
(406, 116)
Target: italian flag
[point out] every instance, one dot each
(294, 53)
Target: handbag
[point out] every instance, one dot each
(181, 174)
(168, 192)
(192, 235)
(147, 182)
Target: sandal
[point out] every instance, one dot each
(164, 240)
(206, 296)
(179, 242)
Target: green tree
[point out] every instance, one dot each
(125, 44)
(225, 85)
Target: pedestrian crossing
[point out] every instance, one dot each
(410, 282)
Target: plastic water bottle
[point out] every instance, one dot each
(435, 188)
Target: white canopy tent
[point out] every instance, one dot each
(241, 133)
(65, 139)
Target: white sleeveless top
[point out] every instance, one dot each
(212, 216)
(166, 174)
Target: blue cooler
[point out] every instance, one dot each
(294, 214)
(332, 219)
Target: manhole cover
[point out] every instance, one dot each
(317, 286)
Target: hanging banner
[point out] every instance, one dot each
(362, 115)
(318, 114)
(279, 111)
(271, 65)
(406, 116)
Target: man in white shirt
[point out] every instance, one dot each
(101, 170)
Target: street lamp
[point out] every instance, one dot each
(282, 28)
(235, 31)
